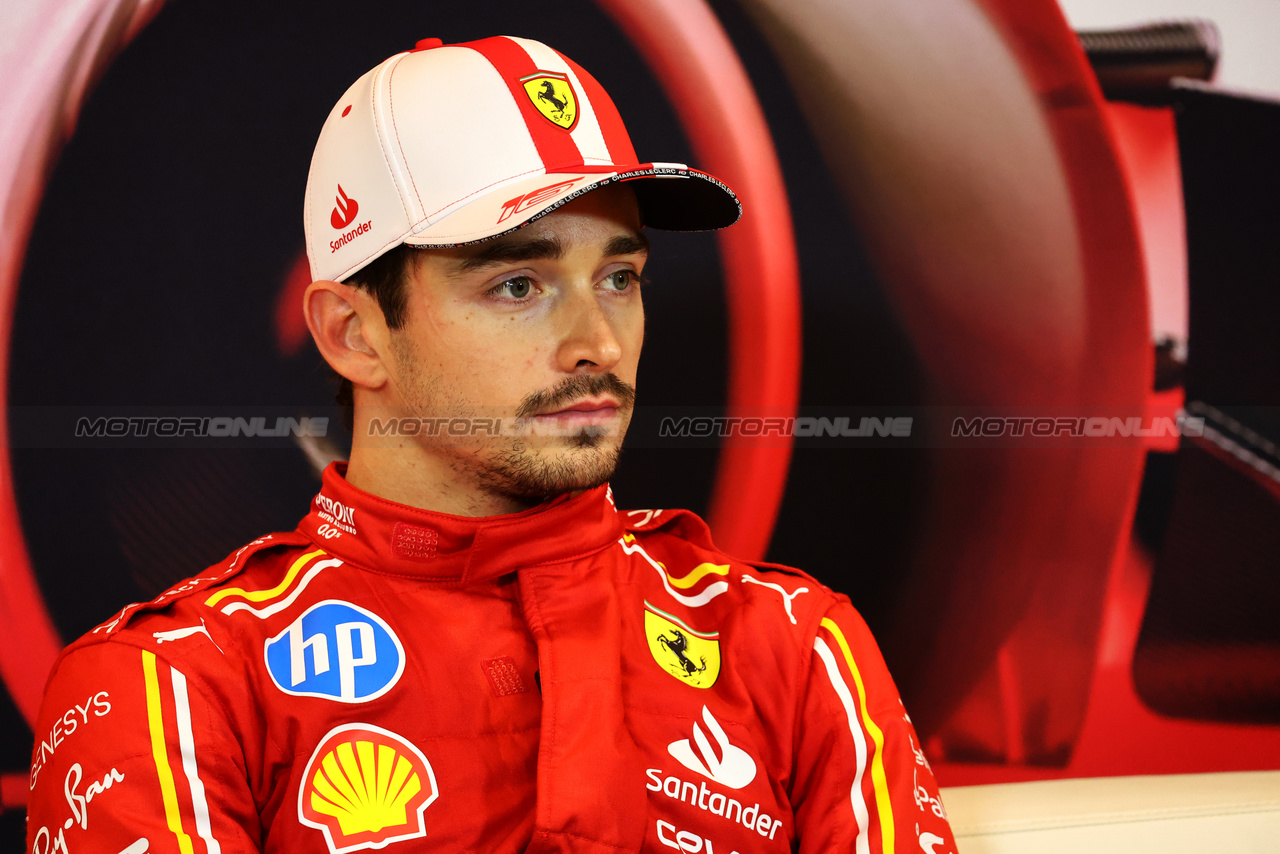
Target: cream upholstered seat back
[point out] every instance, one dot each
(1169, 814)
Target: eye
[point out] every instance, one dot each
(620, 280)
(517, 288)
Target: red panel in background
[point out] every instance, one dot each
(1019, 540)
(1002, 720)
(1146, 143)
(1120, 735)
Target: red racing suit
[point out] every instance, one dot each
(570, 678)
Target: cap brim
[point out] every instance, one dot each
(672, 197)
(689, 201)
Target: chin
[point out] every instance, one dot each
(534, 474)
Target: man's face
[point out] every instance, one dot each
(541, 328)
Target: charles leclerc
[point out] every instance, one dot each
(465, 646)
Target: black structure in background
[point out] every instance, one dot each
(1138, 63)
(174, 214)
(1210, 642)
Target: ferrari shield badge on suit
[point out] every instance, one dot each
(686, 653)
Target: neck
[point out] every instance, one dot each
(412, 475)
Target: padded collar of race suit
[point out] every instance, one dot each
(374, 533)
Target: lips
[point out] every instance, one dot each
(593, 411)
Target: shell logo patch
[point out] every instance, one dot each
(366, 787)
(691, 656)
(552, 94)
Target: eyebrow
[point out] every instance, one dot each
(545, 248)
(628, 244)
(506, 252)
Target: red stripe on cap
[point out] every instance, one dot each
(555, 146)
(616, 138)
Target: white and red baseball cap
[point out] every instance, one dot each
(446, 145)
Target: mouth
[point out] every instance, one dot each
(584, 413)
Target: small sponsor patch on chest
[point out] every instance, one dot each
(414, 542)
(504, 677)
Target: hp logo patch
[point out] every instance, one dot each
(338, 651)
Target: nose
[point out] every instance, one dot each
(590, 343)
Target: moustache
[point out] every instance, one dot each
(574, 388)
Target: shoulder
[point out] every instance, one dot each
(692, 572)
(193, 610)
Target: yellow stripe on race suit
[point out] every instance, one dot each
(698, 573)
(263, 595)
(857, 800)
(168, 792)
(883, 807)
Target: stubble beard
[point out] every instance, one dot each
(558, 465)
(528, 469)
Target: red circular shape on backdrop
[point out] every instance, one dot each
(703, 77)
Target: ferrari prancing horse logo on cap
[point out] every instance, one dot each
(552, 94)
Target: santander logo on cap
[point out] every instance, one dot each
(343, 215)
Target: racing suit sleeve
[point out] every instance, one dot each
(131, 756)
(862, 783)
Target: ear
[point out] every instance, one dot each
(349, 330)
